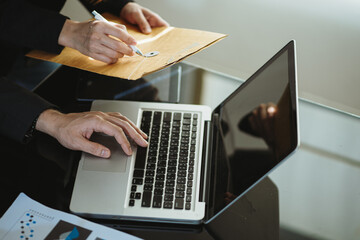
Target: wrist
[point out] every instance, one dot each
(47, 122)
(65, 37)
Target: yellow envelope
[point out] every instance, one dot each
(173, 44)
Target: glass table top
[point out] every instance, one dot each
(317, 187)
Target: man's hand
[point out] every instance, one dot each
(143, 17)
(93, 39)
(74, 130)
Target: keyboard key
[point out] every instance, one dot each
(181, 173)
(169, 190)
(137, 195)
(190, 176)
(147, 115)
(179, 194)
(172, 163)
(157, 117)
(131, 202)
(132, 195)
(157, 201)
(168, 205)
(193, 135)
(177, 116)
(170, 183)
(148, 187)
(180, 187)
(140, 158)
(185, 134)
(133, 188)
(138, 173)
(171, 169)
(167, 116)
(189, 183)
(186, 127)
(137, 181)
(146, 199)
(187, 115)
(151, 166)
(159, 184)
(160, 177)
(162, 163)
(161, 170)
(179, 203)
(181, 180)
(158, 191)
(188, 198)
(187, 206)
(150, 173)
(171, 176)
(169, 197)
(149, 180)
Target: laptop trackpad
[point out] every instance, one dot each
(117, 161)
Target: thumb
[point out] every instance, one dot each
(93, 148)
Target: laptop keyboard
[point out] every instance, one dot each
(164, 171)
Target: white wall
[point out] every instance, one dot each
(327, 35)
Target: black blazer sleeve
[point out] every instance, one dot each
(18, 109)
(110, 6)
(26, 25)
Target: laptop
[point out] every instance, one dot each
(199, 162)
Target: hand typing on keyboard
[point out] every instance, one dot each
(74, 130)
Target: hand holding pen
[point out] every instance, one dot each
(99, 17)
(92, 38)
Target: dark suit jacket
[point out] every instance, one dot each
(36, 24)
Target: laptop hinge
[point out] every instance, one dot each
(204, 162)
(210, 165)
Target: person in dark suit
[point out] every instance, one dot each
(37, 24)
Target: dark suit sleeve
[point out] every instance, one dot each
(110, 6)
(18, 109)
(26, 25)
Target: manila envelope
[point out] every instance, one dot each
(173, 44)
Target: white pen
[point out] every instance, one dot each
(99, 17)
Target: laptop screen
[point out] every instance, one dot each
(256, 129)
